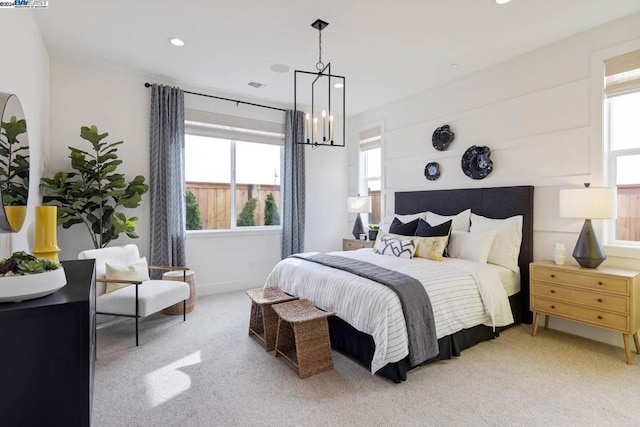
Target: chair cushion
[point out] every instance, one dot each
(153, 296)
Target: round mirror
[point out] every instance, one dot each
(14, 163)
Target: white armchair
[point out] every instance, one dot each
(144, 297)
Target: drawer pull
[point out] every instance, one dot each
(600, 317)
(553, 275)
(553, 291)
(600, 283)
(553, 307)
(599, 299)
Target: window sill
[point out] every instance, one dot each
(235, 232)
(622, 251)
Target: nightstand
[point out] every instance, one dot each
(604, 297)
(353, 244)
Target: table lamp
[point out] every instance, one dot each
(588, 203)
(358, 205)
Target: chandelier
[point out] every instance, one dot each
(323, 93)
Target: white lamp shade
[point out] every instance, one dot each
(588, 203)
(360, 204)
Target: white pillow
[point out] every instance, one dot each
(387, 245)
(403, 219)
(506, 247)
(460, 222)
(135, 271)
(470, 246)
(410, 217)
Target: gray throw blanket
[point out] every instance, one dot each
(416, 305)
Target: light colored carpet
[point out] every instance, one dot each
(208, 372)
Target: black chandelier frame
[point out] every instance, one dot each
(324, 71)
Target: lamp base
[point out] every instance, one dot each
(358, 229)
(588, 252)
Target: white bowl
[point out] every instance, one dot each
(19, 288)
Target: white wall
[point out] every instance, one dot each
(25, 73)
(117, 102)
(540, 114)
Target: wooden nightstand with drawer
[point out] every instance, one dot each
(353, 244)
(604, 297)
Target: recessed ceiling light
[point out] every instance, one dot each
(176, 41)
(338, 85)
(280, 68)
(502, 1)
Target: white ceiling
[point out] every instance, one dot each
(386, 49)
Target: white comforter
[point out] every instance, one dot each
(463, 294)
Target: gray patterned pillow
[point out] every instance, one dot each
(395, 247)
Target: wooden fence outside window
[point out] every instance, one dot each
(214, 201)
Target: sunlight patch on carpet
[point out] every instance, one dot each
(168, 382)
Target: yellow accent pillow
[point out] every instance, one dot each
(431, 247)
(139, 270)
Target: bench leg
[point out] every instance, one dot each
(184, 310)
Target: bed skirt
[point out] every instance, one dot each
(360, 346)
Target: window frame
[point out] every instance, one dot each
(202, 124)
(611, 158)
(600, 132)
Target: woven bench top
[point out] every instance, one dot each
(299, 311)
(269, 295)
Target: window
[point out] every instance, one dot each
(371, 170)
(233, 173)
(622, 107)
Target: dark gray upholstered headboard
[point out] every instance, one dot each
(496, 202)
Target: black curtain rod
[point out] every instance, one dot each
(237, 101)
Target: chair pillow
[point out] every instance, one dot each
(138, 270)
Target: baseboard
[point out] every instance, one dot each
(218, 288)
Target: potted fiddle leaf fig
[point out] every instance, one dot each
(94, 194)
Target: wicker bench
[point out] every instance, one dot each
(263, 322)
(303, 337)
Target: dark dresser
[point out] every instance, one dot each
(47, 354)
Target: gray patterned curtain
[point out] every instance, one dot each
(167, 177)
(293, 185)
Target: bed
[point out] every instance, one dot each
(295, 276)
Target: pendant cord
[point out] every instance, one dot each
(319, 65)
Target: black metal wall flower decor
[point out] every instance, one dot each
(442, 137)
(432, 171)
(476, 162)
